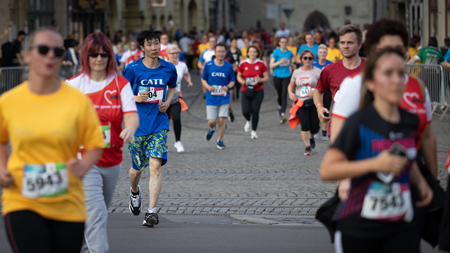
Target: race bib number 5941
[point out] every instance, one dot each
(44, 180)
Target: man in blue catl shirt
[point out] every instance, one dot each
(218, 78)
(153, 82)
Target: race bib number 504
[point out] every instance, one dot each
(44, 180)
(388, 202)
(155, 94)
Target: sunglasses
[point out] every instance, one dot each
(43, 50)
(175, 53)
(307, 58)
(95, 55)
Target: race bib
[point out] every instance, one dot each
(286, 63)
(388, 202)
(218, 91)
(44, 180)
(304, 91)
(178, 87)
(155, 94)
(106, 134)
(250, 81)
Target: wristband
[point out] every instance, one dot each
(318, 104)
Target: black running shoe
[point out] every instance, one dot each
(307, 151)
(135, 203)
(312, 143)
(150, 220)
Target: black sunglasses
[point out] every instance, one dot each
(43, 50)
(95, 55)
(307, 58)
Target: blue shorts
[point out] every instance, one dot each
(151, 145)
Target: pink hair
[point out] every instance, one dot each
(92, 44)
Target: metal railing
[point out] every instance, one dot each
(10, 77)
(436, 79)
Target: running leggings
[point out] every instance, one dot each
(175, 112)
(29, 232)
(281, 85)
(251, 106)
(309, 118)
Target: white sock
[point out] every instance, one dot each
(151, 210)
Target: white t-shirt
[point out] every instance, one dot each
(349, 94)
(240, 44)
(88, 86)
(181, 70)
(207, 56)
(284, 33)
(164, 46)
(185, 42)
(129, 53)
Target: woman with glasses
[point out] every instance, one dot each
(301, 89)
(281, 63)
(177, 105)
(113, 100)
(45, 121)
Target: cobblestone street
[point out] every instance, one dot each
(268, 176)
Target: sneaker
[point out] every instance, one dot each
(247, 127)
(179, 146)
(279, 111)
(150, 219)
(307, 151)
(231, 116)
(220, 144)
(210, 133)
(325, 138)
(135, 202)
(254, 135)
(312, 143)
(283, 120)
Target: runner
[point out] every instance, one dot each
(301, 89)
(206, 57)
(376, 148)
(234, 55)
(44, 120)
(331, 77)
(164, 45)
(309, 45)
(252, 74)
(281, 63)
(218, 79)
(321, 63)
(291, 46)
(154, 83)
(204, 45)
(177, 105)
(334, 54)
(100, 81)
(131, 55)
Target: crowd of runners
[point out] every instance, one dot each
(383, 149)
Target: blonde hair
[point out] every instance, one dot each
(323, 46)
(32, 36)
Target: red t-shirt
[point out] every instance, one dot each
(333, 75)
(163, 54)
(251, 70)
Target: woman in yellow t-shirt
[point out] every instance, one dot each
(334, 54)
(414, 48)
(291, 46)
(43, 198)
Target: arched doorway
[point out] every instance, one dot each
(193, 18)
(315, 19)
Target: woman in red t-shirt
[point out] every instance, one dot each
(252, 73)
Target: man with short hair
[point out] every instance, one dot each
(350, 38)
(430, 54)
(282, 32)
(164, 45)
(131, 55)
(218, 79)
(206, 57)
(17, 49)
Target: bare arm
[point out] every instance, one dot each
(414, 60)
(425, 192)
(80, 167)
(131, 121)
(290, 90)
(297, 59)
(336, 125)
(265, 77)
(446, 64)
(5, 177)
(318, 101)
(429, 150)
(207, 86)
(240, 78)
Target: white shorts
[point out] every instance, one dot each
(217, 111)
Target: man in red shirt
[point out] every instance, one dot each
(350, 39)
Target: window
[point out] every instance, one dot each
(433, 18)
(40, 13)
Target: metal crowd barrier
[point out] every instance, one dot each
(436, 79)
(10, 77)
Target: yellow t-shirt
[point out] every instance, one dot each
(334, 55)
(244, 52)
(202, 47)
(294, 50)
(412, 52)
(47, 129)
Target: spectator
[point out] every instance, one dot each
(72, 57)
(414, 47)
(430, 54)
(444, 50)
(17, 49)
(447, 55)
(282, 32)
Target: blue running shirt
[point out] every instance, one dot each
(155, 81)
(218, 76)
(282, 70)
(317, 64)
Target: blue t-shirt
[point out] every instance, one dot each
(316, 64)
(155, 81)
(282, 70)
(218, 76)
(315, 49)
(181, 57)
(447, 56)
(118, 57)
